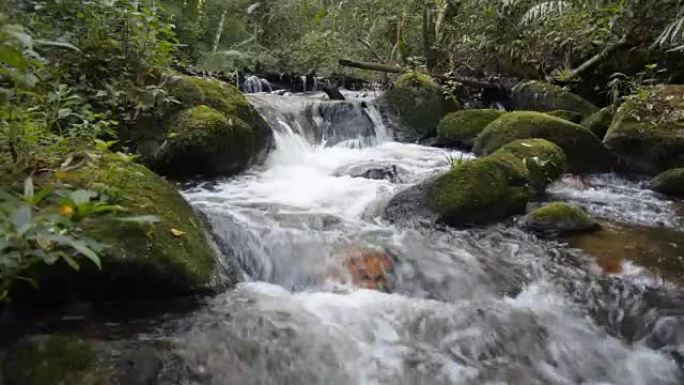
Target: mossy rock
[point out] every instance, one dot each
(570, 116)
(419, 103)
(670, 182)
(460, 128)
(599, 122)
(584, 150)
(647, 132)
(559, 217)
(544, 160)
(165, 258)
(481, 190)
(182, 144)
(204, 141)
(54, 360)
(540, 96)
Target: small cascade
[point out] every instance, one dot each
(254, 84)
(355, 123)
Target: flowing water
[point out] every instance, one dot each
(493, 305)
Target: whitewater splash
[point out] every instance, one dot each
(487, 306)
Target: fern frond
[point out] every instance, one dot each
(543, 10)
(672, 36)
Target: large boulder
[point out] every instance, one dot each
(647, 132)
(481, 190)
(670, 182)
(459, 129)
(559, 217)
(204, 141)
(544, 160)
(213, 130)
(584, 150)
(141, 259)
(419, 103)
(599, 122)
(540, 96)
(570, 116)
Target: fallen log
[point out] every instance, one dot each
(466, 81)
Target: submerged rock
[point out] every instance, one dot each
(544, 160)
(481, 190)
(584, 150)
(599, 122)
(390, 172)
(647, 132)
(213, 131)
(459, 129)
(670, 182)
(559, 217)
(420, 104)
(540, 96)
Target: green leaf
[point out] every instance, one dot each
(80, 197)
(140, 219)
(56, 44)
(71, 262)
(13, 58)
(21, 219)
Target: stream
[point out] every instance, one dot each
(489, 305)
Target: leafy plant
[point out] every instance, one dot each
(44, 227)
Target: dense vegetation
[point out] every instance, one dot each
(78, 77)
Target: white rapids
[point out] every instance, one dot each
(485, 306)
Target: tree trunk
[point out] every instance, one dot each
(428, 31)
(219, 31)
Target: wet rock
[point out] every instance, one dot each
(168, 257)
(213, 131)
(61, 360)
(540, 96)
(459, 129)
(670, 182)
(647, 132)
(559, 217)
(599, 122)
(570, 116)
(344, 121)
(584, 150)
(410, 206)
(390, 172)
(544, 160)
(420, 104)
(481, 190)
(370, 269)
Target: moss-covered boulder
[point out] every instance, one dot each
(212, 131)
(481, 190)
(647, 132)
(420, 104)
(540, 96)
(141, 259)
(544, 160)
(570, 116)
(670, 182)
(599, 122)
(584, 150)
(559, 217)
(204, 141)
(53, 360)
(459, 129)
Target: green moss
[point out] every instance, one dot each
(570, 116)
(559, 216)
(584, 151)
(53, 360)
(544, 160)
(541, 96)
(204, 141)
(420, 104)
(460, 128)
(146, 257)
(670, 182)
(599, 122)
(647, 132)
(481, 190)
